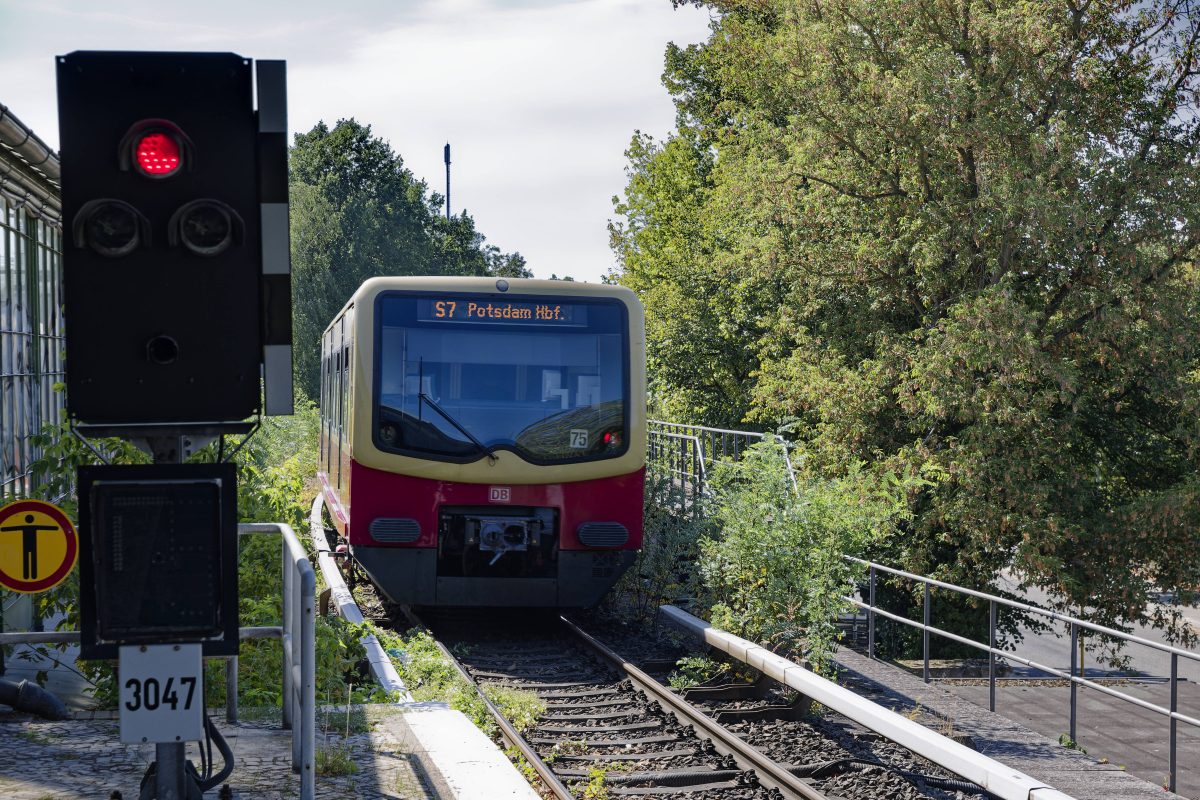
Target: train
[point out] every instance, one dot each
(483, 440)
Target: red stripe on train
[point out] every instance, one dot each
(378, 493)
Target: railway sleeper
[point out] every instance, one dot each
(629, 726)
(508, 677)
(758, 690)
(570, 706)
(666, 791)
(642, 756)
(590, 743)
(621, 688)
(627, 712)
(692, 776)
(793, 712)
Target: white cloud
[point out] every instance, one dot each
(537, 98)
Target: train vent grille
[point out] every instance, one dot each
(393, 530)
(603, 534)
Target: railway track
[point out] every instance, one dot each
(610, 729)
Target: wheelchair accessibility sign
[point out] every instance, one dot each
(38, 546)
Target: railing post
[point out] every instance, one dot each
(925, 633)
(287, 640)
(1074, 686)
(1174, 723)
(231, 690)
(991, 655)
(871, 617)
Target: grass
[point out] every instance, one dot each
(336, 760)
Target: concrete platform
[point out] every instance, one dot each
(423, 750)
(1082, 776)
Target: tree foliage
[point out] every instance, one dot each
(357, 212)
(957, 238)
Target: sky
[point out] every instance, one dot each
(537, 98)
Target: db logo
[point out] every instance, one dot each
(499, 494)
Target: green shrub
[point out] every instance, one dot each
(773, 562)
(664, 570)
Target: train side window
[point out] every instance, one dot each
(324, 404)
(349, 383)
(346, 386)
(336, 406)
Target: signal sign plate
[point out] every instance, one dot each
(38, 546)
(161, 693)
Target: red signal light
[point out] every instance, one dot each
(158, 155)
(156, 148)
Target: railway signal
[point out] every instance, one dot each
(176, 271)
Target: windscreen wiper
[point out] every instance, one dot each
(446, 416)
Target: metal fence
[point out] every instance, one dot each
(297, 633)
(1075, 673)
(31, 325)
(686, 454)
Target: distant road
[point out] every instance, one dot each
(1055, 650)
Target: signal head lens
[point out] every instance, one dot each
(162, 350)
(206, 229)
(158, 155)
(112, 229)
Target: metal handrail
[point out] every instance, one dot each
(299, 651)
(380, 663)
(994, 601)
(708, 454)
(298, 635)
(1000, 780)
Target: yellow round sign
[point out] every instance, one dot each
(38, 546)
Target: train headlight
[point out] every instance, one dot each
(612, 439)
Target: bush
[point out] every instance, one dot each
(664, 570)
(276, 472)
(773, 562)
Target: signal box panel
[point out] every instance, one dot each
(161, 248)
(158, 557)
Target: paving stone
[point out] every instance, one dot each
(1070, 771)
(82, 759)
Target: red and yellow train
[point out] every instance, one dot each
(483, 440)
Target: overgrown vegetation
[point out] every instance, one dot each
(430, 676)
(276, 469)
(954, 240)
(774, 565)
(760, 554)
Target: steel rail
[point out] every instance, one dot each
(994, 777)
(510, 733)
(770, 773)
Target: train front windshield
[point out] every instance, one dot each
(461, 376)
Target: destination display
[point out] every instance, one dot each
(467, 309)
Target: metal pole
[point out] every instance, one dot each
(1074, 686)
(170, 781)
(231, 690)
(288, 642)
(991, 655)
(1174, 722)
(925, 634)
(446, 152)
(871, 617)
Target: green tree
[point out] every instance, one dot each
(963, 238)
(357, 212)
